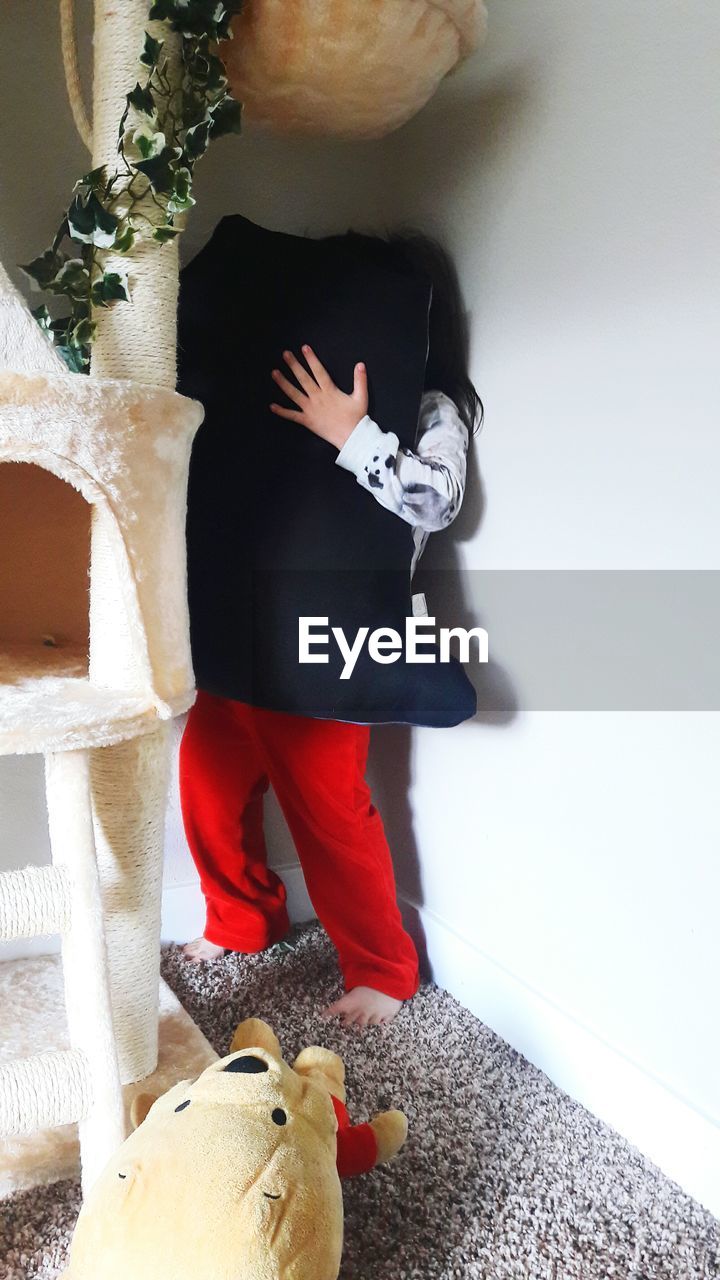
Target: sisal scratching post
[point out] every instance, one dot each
(129, 792)
(87, 996)
(129, 781)
(136, 341)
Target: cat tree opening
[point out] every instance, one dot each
(122, 451)
(44, 568)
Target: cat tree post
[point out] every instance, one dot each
(129, 781)
(138, 341)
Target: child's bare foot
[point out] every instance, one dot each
(201, 950)
(364, 1007)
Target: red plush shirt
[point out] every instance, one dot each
(356, 1144)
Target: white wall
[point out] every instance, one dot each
(565, 864)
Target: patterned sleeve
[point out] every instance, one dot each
(424, 486)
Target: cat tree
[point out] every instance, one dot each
(94, 688)
(97, 716)
(95, 695)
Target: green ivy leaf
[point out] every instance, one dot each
(160, 169)
(111, 287)
(207, 71)
(43, 270)
(90, 223)
(198, 63)
(81, 310)
(180, 199)
(152, 49)
(195, 108)
(182, 15)
(162, 10)
(83, 333)
(72, 341)
(142, 100)
(96, 180)
(61, 328)
(148, 142)
(42, 315)
(73, 279)
(125, 237)
(203, 108)
(197, 139)
(165, 233)
(121, 126)
(222, 27)
(197, 17)
(62, 231)
(215, 79)
(226, 117)
(76, 358)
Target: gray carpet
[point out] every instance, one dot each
(503, 1177)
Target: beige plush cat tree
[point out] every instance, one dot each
(99, 466)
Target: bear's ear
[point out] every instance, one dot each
(323, 1066)
(253, 1033)
(139, 1107)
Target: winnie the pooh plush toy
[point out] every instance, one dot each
(233, 1176)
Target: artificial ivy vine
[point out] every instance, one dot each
(164, 130)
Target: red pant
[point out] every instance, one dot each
(230, 753)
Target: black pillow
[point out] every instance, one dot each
(276, 530)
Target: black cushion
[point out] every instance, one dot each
(276, 530)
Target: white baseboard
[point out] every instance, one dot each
(183, 906)
(683, 1142)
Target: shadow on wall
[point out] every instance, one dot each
(432, 171)
(440, 166)
(391, 761)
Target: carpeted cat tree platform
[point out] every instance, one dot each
(92, 489)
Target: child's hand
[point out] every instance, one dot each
(321, 406)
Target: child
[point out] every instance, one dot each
(232, 752)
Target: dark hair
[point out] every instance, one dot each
(448, 347)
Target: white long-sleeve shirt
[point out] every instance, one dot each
(424, 486)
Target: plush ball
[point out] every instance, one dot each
(277, 532)
(354, 68)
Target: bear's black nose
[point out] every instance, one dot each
(249, 1066)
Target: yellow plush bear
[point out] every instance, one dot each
(232, 1177)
